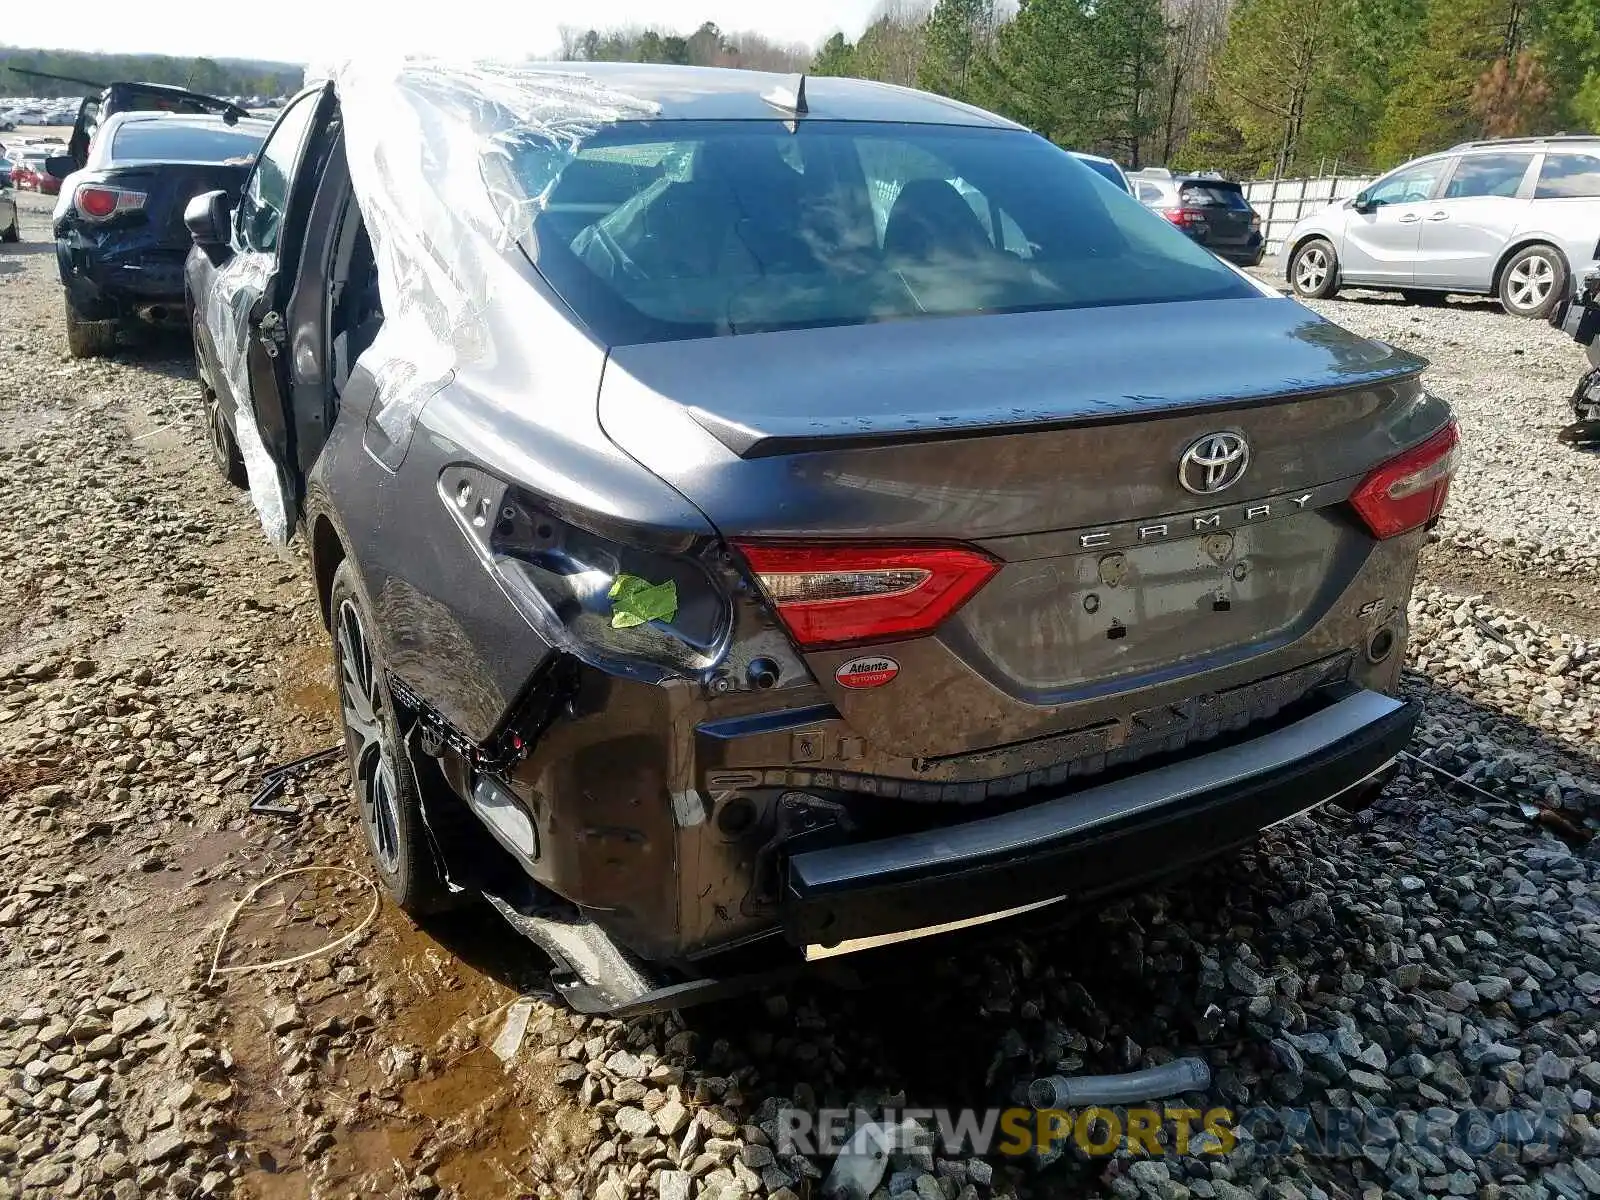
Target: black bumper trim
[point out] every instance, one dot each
(1096, 840)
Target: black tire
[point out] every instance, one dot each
(1314, 269)
(89, 339)
(225, 456)
(11, 235)
(388, 806)
(1423, 298)
(1533, 281)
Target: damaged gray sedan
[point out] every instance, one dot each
(759, 519)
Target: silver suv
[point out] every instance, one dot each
(1516, 218)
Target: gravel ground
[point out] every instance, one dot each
(1438, 955)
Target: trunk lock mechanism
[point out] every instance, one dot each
(1113, 570)
(1218, 546)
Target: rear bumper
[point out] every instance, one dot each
(1106, 838)
(1249, 255)
(106, 286)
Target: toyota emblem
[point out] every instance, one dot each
(1213, 463)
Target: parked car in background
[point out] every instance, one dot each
(758, 555)
(1514, 218)
(31, 171)
(1210, 209)
(1106, 168)
(124, 97)
(120, 236)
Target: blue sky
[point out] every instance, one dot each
(295, 30)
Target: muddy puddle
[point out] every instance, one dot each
(307, 686)
(389, 1069)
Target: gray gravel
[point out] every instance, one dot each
(1510, 381)
(1441, 952)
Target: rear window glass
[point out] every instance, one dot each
(161, 141)
(1568, 176)
(1212, 195)
(655, 231)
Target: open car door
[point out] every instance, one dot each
(245, 309)
(140, 97)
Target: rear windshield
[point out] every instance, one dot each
(1213, 195)
(653, 231)
(160, 141)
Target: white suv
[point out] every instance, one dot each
(1517, 218)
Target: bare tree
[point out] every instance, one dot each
(1198, 29)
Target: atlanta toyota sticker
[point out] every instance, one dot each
(873, 670)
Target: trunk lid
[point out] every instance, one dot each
(1053, 441)
(168, 188)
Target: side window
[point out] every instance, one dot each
(266, 195)
(1568, 177)
(1411, 185)
(1149, 193)
(1487, 175)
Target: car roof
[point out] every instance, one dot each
(679, 93)
(1095, 158)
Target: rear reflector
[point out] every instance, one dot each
(95, 203)
(1410, 490)
(846, 595)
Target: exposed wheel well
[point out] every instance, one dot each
(327, 552)
(1512, 251)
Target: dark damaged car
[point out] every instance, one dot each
(118, 223)
(761, 519)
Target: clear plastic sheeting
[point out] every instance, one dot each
(428, 144)
(233, 293)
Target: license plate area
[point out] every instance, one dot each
(1104, 614)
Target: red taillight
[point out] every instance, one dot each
(842, 595)
(1184, 216)
(95, 203)
(1410, 490)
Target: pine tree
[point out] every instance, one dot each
(1085, 75)
(837, 57)
(1514, 99)
(1278, 81)
(1431, 105)
(956, 40)
(1566, 34)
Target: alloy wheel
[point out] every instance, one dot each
(1530, 282)
(372, 749)
(215, 430)
(1311, 269)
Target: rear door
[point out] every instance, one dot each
(1484, 200)
(1383, 235)
(244, 311)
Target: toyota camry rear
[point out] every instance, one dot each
(848, 519)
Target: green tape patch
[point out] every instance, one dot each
(635, 601)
